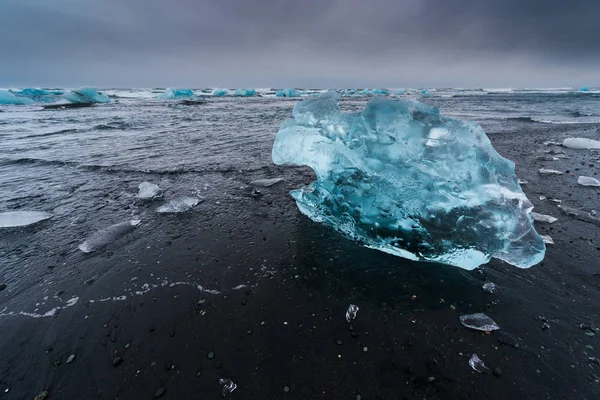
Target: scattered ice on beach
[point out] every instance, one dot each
(581, 215)
(554, 200)
(587, 181)
(266, 182)
(551, 143)
(12, 219)
(173, 93)
(244, 92)
(543, 218)
(479, 322)
(220, 92)
(478, 365)
(546, 158)
(490, 287)
(546, 171)
(400, 178)
(547, 239)
(148, 190)
(523, 182)
(351, 312)
(7, 97)
(581, 143)
(86, 95)
(106, 236)
(228, 386)
(178, 205)
(288, 92)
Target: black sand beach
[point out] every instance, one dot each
(277, 328)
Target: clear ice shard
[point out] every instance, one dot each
(547, 239)
(479, 322)
(7, 97)
(587, 181)
(266, 182)
(401, 178)
(543, 218)
(148, 190)
(13, 219)
(244, 92)
(288, 92)
(580, 215)
(173, 93)
(477, 364)
(178, 205)
(581, 143)
(86, 95)
(546, 171)
(102, 238)
(227, 386)
(351, 312)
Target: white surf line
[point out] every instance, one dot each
(69, 303)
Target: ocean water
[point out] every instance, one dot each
(84, 165)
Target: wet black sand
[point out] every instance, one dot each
(278, 337)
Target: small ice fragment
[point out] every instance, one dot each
(479, 322)
(148, 190)
(12, 219)
(523, 182)
(104, 237)
(551, 143)
(546, 171)
(477, 364)
(351, 312)
(266, 182)
(178, 205)
(542, 198)
(543, 218)
(587, 181)
(547, 239)
(490, 287)
(554, 151)
(580, 215)
(546, 158)
(555, 200)
(581, 143)
(228, 386)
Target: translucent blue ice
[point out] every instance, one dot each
(41, 95)
(401, 178)
(366, 92)
(220, 92)
(173, 93)
(86, 95)
(399, 92)
(584, 89)
(425, 93)
(380, 91)
(245, 92)
(7, 97)
(288, 92)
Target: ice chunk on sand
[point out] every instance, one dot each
(400, 178)
(489, 287)
(7, 97)
(244, 92)
(148, 190)
(543, 218)
(288, 92)
(228, 387)
(173, 93)
(13, 219)
(547, 158)
(580, 215)
(102, 238)
(587, 181)
(546, 171)
(479, 322)
(581, 143)
(178, 205)
(266, 182)
(547, 239)
(351, 312)
(478, 365)
(86, 95)
(220, 92)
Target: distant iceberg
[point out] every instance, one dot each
(7, 97)
(400, 178)
(86, 95)
(245, 93)
(584, 89)
(220, 92)
(41, 95)
(425, 93)
(366, 92)
(288, 92)
(172, 93)
(399, 92)
(380, 92)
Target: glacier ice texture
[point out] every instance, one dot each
(288, 92)
(41, 95)
(173, 93)
(244, 92)
(86, 95)
(220, 92)
(401, 178)
(148, 190)
(8, 97)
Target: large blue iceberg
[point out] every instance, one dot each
(8, 97)
(244, 92)
(220, 92)
(288, 92)
(401, 178)
(172, 93)
(86, 95)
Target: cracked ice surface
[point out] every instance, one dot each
(401, 178)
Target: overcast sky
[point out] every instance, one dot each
(302, 43)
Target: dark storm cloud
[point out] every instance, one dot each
(309, 42)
